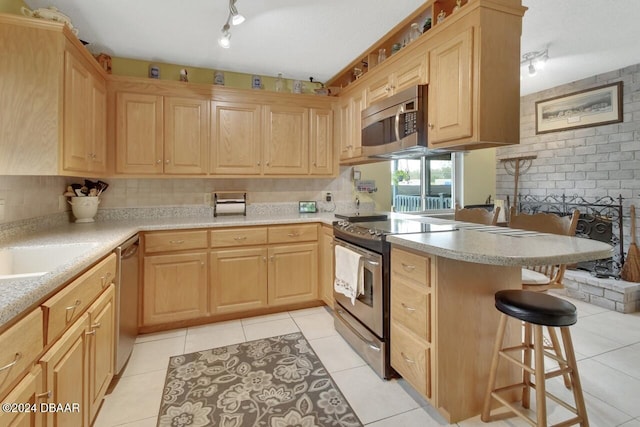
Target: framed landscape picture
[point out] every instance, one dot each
(591, 107)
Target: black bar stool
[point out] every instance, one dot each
(536, 310)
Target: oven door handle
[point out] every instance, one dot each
(370, 344)
(397, 124)
(371, 262)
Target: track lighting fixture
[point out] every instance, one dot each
(234, 18)
(536, 61)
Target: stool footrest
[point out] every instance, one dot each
(513, 408)
(516, 361)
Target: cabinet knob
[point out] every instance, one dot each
(267, 163)
(406, 359)
(258, 163)
(431, 126)
(167, 161)
(17, 357)
(408, 267)
(406, 307)
(158, 162)
(75, 304)
(264, 258)
(91, 332)
(315, 164)
(96, 325)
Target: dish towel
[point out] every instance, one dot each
(348, 280)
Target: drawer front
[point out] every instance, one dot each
(66, 306)
(411, 306)
(410, 265)
(26, 392)
(20, 345)
(175, 241)
(238, 237)
(293, 233)
(411, 358)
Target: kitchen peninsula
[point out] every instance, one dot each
(442, 343)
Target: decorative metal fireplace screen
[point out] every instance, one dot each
(600, 219)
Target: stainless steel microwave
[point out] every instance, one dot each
(396, 127)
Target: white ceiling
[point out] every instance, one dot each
(304, 38)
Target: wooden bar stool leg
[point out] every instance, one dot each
(526, 375)
(541, 397)
(558, 350)
(575, 378)
(497, 346)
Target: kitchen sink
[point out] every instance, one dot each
(23, 262)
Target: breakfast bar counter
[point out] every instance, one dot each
(443, 319)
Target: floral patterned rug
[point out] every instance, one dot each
(273, 382)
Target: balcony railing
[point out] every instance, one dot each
(404, 203)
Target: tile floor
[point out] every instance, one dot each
(607, 346)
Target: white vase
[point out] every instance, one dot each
(84, 208)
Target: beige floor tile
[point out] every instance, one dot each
(632, 423)
(371, 397)
(256, 331)
(611, 386)
(265, 318)
(309, 311)
(134, 398)
(316, 325)
(147, 422)
(335, 353)
(153, 355)
(623, 329)
(155, 336)
(414, 418)
(213, 336)
(625, 359)
(588, 343)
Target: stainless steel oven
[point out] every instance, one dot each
(367, 306)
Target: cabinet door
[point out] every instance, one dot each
(235, 145)
(102, 345)
(139, 133)
(77, 102)
(293, 273)
(28, 391)
(343, 130)
(98, 125)
(175, 287)
(286, 140)
(65, 371)
(450, 96)
(238, 279)
(321, 142)
(411, 72)
(379, 89)
(358, 103)
(186, 135)
(326, 266)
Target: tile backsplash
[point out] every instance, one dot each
(28, 197)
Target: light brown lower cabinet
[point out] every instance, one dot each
(293, 273)
(29, 392)
(238, 279)
(325, 275)
(79, 366)
(175, 287)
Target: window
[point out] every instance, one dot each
(422, 184)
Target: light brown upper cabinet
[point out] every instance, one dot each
(471, 63)
(53, 103)
(397, 76)
(236, 143)
(321, 145)
(85, 118)
(271, 139)
(286, 140)
(450, 97)
(349, 122)
(157, 135)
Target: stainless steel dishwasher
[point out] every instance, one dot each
(126, 300)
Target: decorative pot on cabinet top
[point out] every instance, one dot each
(52, 14)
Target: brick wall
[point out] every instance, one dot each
(590, 162)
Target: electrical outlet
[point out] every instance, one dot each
(1, 209)
(328, 196)
(62, 203)
(207, 198)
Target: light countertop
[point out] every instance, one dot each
(471, 243)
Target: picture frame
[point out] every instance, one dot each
(307, 207)
(586, 108)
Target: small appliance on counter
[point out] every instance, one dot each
(229, 203)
